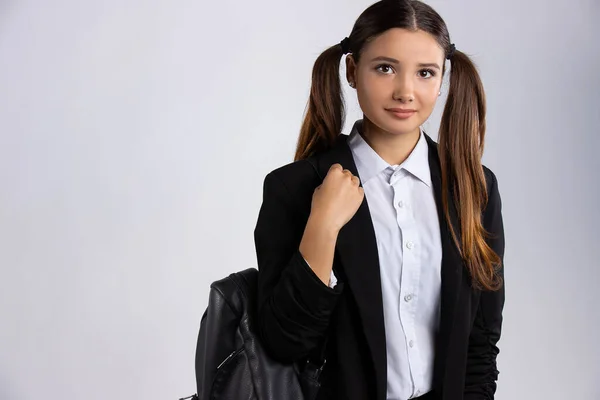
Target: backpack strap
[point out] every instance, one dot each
(311, 161)
(311, 368)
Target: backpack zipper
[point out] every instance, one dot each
(228, 358)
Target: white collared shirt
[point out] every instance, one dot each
(404, 214)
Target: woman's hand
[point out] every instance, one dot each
(337, 199)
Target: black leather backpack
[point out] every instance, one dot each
(231, 363)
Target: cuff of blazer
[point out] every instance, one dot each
(317, 298)
(332, 278)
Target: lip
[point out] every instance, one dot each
(402, 113)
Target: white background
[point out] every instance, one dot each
(135, 137)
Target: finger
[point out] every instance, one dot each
(336, 166)
(355, 180)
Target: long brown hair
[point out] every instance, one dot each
(461, 134)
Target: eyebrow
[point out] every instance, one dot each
(394, 61)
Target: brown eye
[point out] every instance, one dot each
(423, 73)
(384, 68)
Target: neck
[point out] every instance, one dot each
(393, 148)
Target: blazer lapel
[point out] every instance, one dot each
(452, 266)
(357, 249)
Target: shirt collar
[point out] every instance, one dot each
(370, 164)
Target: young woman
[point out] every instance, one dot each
(383, 249)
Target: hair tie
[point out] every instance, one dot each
(345, 44)
(451, 51)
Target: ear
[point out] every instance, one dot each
(350, 69)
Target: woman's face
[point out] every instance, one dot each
(395, 67)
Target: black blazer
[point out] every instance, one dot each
(296, 310)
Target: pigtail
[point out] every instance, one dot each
(461, 144)
(324, 117)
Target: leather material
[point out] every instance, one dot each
(231, 363)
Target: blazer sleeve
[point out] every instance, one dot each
(481, 371)
(294, 305)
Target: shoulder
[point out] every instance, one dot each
(294, 172)
(291, 185)
(295, 176)
(491, 181)
(305, 175)
(492, 213)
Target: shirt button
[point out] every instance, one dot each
(400, 204)
(410, 245)
(418, 393)
(411, 343)
(408, 297)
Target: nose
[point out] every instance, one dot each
(403, 89)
